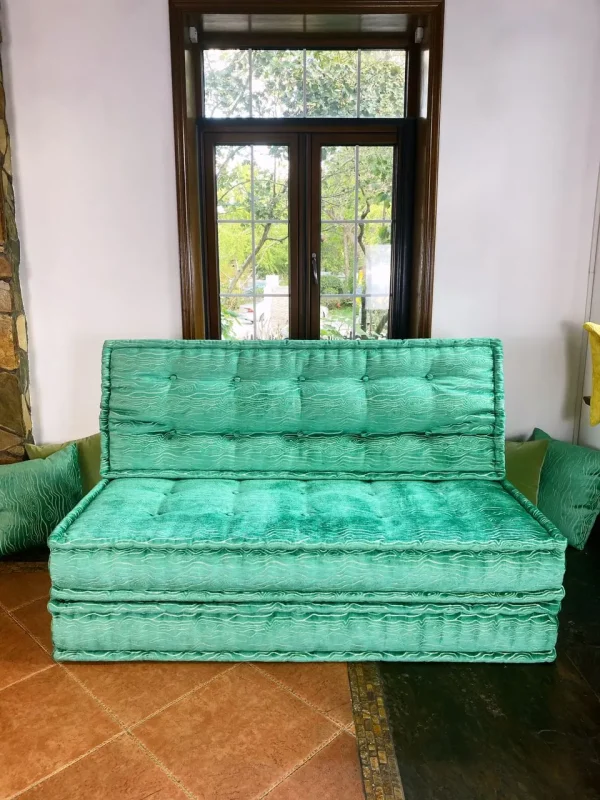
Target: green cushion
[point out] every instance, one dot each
(524, 461)
(152, 539)
(509, 633)
(35, 496)
(88, 450)
(390, 410)
(570, 488)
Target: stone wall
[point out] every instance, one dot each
(15, 409)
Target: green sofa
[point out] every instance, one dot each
(304, 501)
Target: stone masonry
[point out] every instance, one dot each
(15, 409)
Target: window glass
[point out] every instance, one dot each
(356, 241)
(253, 240)
(266, 84)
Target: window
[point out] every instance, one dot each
(278, 84)
(301, 246)
(306, 177)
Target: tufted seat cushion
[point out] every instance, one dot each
(205, 540)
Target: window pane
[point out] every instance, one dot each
(338, 183)
(237, 318)
(382, 76)
(356, 248)
(371, 317)
(272, 259)
(226, 83)
(253, 240)
(273, 316)
(375, 182)
(235, 258)
(374, 258)
(233, 176)
(331, 83)
(336, 318)
(271, 177)
(277, 83)
(338, 258)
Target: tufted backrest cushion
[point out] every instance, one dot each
(413, 409)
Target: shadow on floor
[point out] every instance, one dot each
(507, 732)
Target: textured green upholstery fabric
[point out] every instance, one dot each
(88, 450)
(301, 632)
(305, 501)
(34, 498)
(570, 488)
(367, 410)
(145, 538)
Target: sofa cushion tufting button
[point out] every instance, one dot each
(365, 377)
(429, 376)
(301, 378)
(237, 379)
(172, 377)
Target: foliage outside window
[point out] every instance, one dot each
(271, 84)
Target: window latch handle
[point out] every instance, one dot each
(315, 273)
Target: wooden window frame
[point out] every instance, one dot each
(186, 76)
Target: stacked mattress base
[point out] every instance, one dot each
(278, 572)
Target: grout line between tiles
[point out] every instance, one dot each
(199, 686)
(172, 777)
(26, 629)
(308, 758)
(68, 764)
(281, 685)
(110, 713)
(129, 733)
(31, 674)
(28, 602)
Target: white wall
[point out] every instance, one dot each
(520, 147)
(588, 435)
(90, 112)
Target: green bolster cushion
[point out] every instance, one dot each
(570, 488)
(88, 450)
(35, 496)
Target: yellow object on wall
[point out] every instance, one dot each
(594, 331)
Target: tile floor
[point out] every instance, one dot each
(164, 731)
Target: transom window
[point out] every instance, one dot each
(273, 84)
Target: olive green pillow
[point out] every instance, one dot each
(89, 457)
(35, 496)
(524, 461)
(570, 488)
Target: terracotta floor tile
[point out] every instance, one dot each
(136, 689)
(17, 588)
(326, 685)
(119, 770)
(20, 656)
(236, 737)
(333, 774)
(46, 721)
(37, 619)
